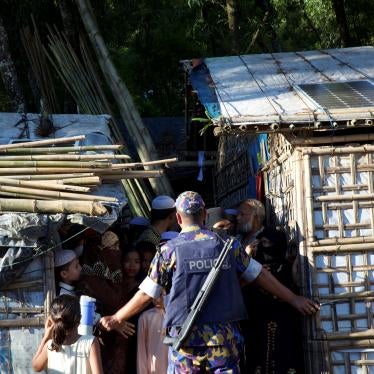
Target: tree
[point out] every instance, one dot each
(9, 74)
(341, 19)
(232, 10)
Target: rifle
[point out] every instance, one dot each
(201, 298)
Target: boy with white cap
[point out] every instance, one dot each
(67, 271)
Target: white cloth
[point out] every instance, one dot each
(72, 359)
(66, 289)
(152, 355)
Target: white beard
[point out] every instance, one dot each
(246, 228)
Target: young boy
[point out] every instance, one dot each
(67, 271)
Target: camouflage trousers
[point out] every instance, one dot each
(213, 359)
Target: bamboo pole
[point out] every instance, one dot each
(22, 322)
(369, 333)
(48, 186)
(347, 169)
(344, 248)
(55, 171)
(4, 147)
(130, 173)
(17, 310)
(351, 197)
(22, 196)
(54, 150)
(34, 284)
(68, 65)
(331, 139)
(138, 132)
(56, 194)
(49, 176)
(68, 157)
(62, 164)
(92, 208)
(339, 241)
(140, 164)
(350, 344)
(87, 182)
(84, 181)
(367, 148)
(308, 198)
(346, 205)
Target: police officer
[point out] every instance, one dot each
(180, 267)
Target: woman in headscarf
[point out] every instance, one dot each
(275, 341)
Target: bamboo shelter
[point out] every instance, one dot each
(315, 110)
(323, 195)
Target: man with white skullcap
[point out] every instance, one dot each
(162, 219)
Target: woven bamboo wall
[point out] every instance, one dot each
(323, 196)
(233, 170)
(23, 306)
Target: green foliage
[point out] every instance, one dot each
(148, 38)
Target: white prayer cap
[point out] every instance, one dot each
(168, 235)
(139, 221)
(231, 212)
(63, 257)
(163, 202)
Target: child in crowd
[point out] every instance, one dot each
(132, 275)
(152, 355)
(147, 255)
(62, 350)
(67, 271)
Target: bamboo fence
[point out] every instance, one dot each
(323, 196)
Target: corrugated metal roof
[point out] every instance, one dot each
(263, 89)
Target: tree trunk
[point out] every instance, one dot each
(130, 115)
(9, 74)
(341, 19)
(232, 17)
(267, 6)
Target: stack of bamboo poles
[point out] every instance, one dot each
(38, 177)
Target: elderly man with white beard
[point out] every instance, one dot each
(250, 218)
(250, 225)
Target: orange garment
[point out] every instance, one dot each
(152, 355)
